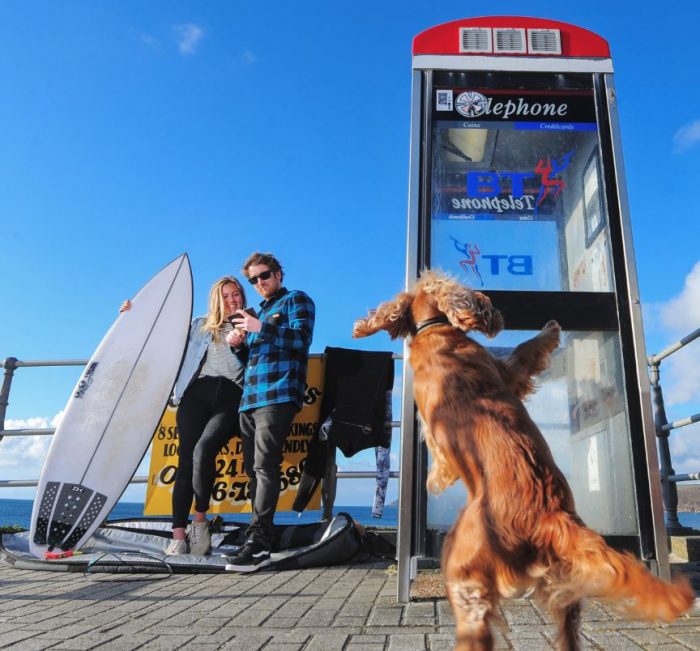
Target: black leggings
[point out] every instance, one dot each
(207, 418)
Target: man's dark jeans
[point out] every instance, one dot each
(264, 431)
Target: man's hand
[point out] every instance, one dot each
(247, 322)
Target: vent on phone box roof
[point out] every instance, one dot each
(475, 39)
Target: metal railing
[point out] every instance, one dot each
(10, 364)
(669, 478)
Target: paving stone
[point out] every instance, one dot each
(407, 642)
(691, 640)
(441, 642)
(32, 644)
(419, 609)
(397, 630)
(356, 609)
(250, 617)
(648, 637)
(327, 642)
(52, 624)
(681, 625)
(294, 609)
(612, 641)
(385, 617)
(527, 643)
(280, 622)
(130, 627)
(295, 636)
(445, 616)
(367, 639)
(520, 614)
(341, 621)
(318, 619)
(250, 642)
(553, 634)
(154, 643)
(86, 642)
(329, 604)
(11, 638)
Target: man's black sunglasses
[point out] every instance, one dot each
(253, 280)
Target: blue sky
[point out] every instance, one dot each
(131, 132)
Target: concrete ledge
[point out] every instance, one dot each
(686, 547)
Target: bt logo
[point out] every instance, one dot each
(515, 265)
(493, 184)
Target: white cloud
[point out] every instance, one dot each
(248, 58)
(685, 449)
(149, 40)
(680, 373)
(682, 313)
(25, 454)
(188, 37)
(686, 137)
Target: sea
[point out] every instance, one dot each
(19, 512)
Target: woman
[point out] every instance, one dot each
(207, 393)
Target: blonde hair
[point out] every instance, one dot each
(216, 316)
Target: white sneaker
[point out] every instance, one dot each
(176, 547)
(200, 538)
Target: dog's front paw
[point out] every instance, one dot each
(552, 332)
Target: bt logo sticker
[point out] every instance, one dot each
(469, 264)
(471, 104)
(494, 184)
(515, 265)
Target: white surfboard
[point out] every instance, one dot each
(112, 413)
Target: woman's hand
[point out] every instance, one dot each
(235, 338)
(247, 322)
(125, 306)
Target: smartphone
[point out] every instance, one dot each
(249, 310)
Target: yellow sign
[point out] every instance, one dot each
(230, 493)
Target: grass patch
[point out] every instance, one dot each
(11, 528)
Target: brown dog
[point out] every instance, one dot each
(519, 531)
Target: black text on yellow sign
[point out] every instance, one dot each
(230, 493)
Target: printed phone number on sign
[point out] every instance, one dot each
(229, 485)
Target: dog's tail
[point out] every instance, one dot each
(587, 567)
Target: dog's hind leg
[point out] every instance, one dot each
(472, 608)
(568, 620)
(469, 585)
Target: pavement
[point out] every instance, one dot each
(350, 607)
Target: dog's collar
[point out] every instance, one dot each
(437, 320)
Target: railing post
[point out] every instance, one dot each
(10, 364)
(668, 488)
(330, 483)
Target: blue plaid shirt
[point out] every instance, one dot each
(279, 353)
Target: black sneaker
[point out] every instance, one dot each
(252, 557)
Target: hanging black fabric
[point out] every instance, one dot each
(355, 398)
(353, 411)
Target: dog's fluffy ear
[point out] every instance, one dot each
(465, 309)
(481, 315)
(392, 316)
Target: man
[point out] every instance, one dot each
(273, 392)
